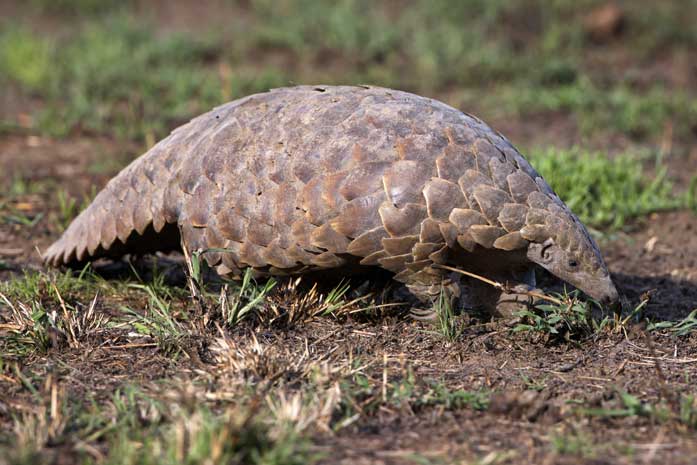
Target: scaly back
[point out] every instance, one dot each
(317, 177)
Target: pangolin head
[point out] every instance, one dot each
(560, 243)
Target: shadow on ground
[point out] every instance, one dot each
(670, 299)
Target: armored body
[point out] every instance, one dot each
(313, 178)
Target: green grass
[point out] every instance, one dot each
(615, 108)
(79, 7)
(116, 77)
(663, 27)
(577, 444)
(532, 384)
(343, 26)
(454, 399)
(119, 79)
(569, 320)
(159, 321)
(25, 58)
(258, 395)
(64, 207)
(112, 72)
(605, 192)
(446, 320)
(364, 395)
(34, 285)
(190, 424)
(680, 408)
(203, 436)
(679, 328)
(248, 297)
(135, 428)
(48, 310)
(19, 186)
(632, 406)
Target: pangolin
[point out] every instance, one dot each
(322, 177)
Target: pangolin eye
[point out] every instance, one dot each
(573, 263)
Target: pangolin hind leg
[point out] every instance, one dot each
(467, 294)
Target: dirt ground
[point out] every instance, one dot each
(552, 401)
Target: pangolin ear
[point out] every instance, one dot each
(541, 253)
(546, 253)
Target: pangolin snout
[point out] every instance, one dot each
(606, 294)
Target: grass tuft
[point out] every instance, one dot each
(679, 328)
(571, 319)
(577, 444)
(204, 436)
(604, 192)
(25, 58)
(79, 7)
(159, 321)
(617, 108)
(248, 297)
(446, 320)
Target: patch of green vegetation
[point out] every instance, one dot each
(429, 46)
(116, 78)
(458, 44)
(618, 107)
(113, 74)
(67, 209)
(664, 27)
(19, 204)
(446, 320)
(683, 409)
(32, 330)
(203, 436)
(9, 127)
(25, 58)
(248, 297)
(137, 429)
(43, 286)
(18, 186)
(45, 311)
(159, 321)
(602, 191)
(80, 7)
(532, 384)
(23, 219)
(631, 406)
(238, 300)
(343, 26)
(577, 444)
(440, 394)
(363, 395)
(691, 195)
(688, 410)
(678, 328)
(568, 319)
